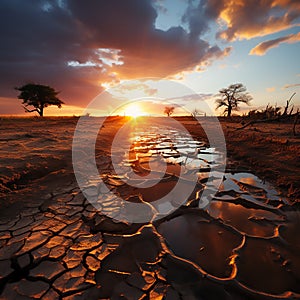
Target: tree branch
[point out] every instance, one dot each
(279, 118)
(30, 110)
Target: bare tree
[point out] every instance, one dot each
(196, 113)
(231, 97)
(169, 110)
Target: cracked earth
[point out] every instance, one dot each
(55, 244)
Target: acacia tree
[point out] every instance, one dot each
(39, 96)
(231, 97)
(169, 110)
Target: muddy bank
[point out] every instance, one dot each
(268, 149)
(271, 151)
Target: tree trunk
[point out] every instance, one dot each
(41, 112)
(229, 109)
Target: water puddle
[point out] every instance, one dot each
(164, 156)
(242, 232)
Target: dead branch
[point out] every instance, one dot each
(285, 115)
(279, 118)
(287, 104)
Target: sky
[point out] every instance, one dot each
(169, 51)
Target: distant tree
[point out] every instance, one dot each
(169, 110)
(231, 96)
(39, 96)
(196, 112)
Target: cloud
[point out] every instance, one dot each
(76, 47)
(263, 47)
(191, 98)
(145, 50)
(129, 87)
(271, 89)
(160, 6)
(241, 19)
(36, 46)
(248, 19)
(287, 86)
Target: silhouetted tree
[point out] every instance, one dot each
(231, 96)
(196, 112)
(39, 96)
(169, 110)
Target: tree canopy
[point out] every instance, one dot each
(231, 97)
(169, 110)
(39, 96)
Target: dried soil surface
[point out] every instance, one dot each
(54, 244)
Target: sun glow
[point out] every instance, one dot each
(134, 111)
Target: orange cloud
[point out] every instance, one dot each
(249, 19)
(270, 89)
(263, 47)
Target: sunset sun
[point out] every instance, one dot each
(134, 111)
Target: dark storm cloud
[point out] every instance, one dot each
(36, 44)
(198, 17)
(147, 51)
(39, 38)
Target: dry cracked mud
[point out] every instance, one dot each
(244, 245)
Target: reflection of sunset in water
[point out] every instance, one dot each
(245, 220)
